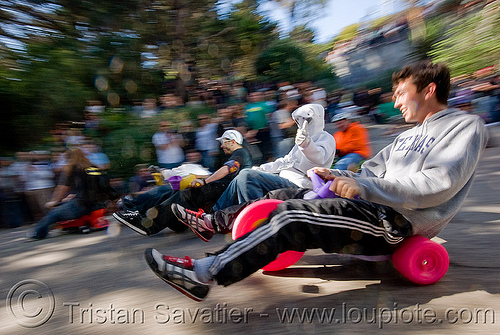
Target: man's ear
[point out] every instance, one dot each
(431, 91)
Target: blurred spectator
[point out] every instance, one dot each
(318, 96)
(149, 108)
(385, 112)
(287, 91)
(11, 209)
(39, 183)
(92, 122)
(333, 101)
(257, 112)
(346, 96)
(283, 128)
(228, 119)
(59, 133)
(58, 161)
(92, 116)
(74, 137)
(205, 141)
(352, 143)
(361, 99)
(218, 94)
(238, 93)
(95, 155)
(142, 180)
(304, 92)
(271, 98)
(18, 170)
(137, 108)
(485, 103)
(188, 135)
(195, 99)
(495, 82)
(374, 97)
(168, 146)
(94, 107)
(170, 101)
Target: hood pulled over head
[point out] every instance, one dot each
(315, 116)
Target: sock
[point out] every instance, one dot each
(201, 267)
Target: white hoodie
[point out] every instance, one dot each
(320, 151)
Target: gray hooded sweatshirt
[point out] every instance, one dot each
(426, 173)
(320, 151)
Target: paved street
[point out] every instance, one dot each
(100, 284)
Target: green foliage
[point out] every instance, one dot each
(126, 138)
(423, 46)
(301, 12)
(281, 61)
(383, 81)
(348, 33)
(302, 34)
(122, 51)
(127, 147)
(472, 43)
(230, 46)
(285, 60)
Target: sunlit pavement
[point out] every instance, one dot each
(100, 284)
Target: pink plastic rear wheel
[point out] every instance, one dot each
(254, 215)
(421, 260)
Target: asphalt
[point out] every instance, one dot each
(99, 283)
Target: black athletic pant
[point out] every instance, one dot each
(335, 225)
(192, 198)
(223, 219)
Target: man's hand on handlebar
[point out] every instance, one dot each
(323, 173)
(345, 187)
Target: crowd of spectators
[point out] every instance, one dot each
(28, 180)
(261, 114)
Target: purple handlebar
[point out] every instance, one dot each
(321, 190)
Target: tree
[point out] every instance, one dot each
(299, 12)
(302, 34)
(472, 43)
(53, 53)
(423, 45)
(230, 45)
(285, 60)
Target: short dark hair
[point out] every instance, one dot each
(423, 73)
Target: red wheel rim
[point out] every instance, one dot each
(252, 216)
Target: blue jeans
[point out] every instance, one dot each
(70, 210)
(344, 162)
(248, 185)
(149, 199)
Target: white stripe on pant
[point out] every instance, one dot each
(285, 217)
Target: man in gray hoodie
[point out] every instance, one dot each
(414, 186)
